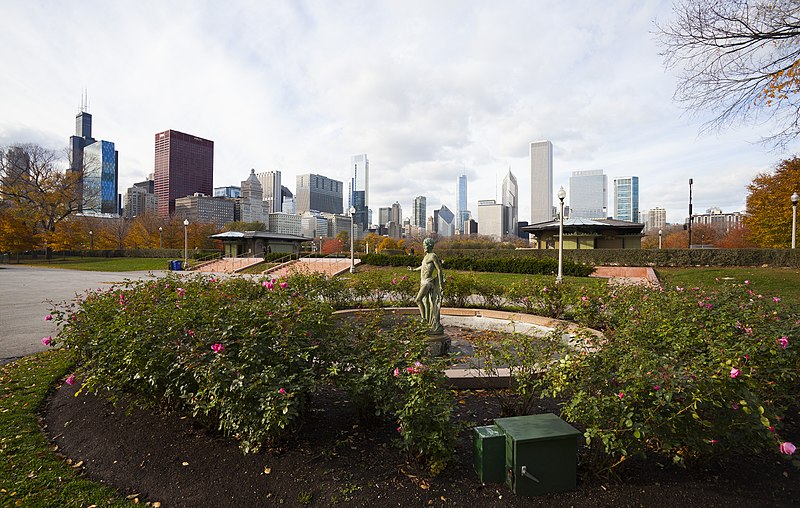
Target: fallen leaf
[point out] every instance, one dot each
(267, 470)
(78, 464)
(184, 463)
(133, 496)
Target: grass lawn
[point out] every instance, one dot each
(102, 264)
(496, 278)
(30, 474)
(782, 282)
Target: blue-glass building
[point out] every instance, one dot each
(100, 171)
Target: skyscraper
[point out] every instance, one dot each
(462, 214)
(271, 188)
(588, 194)
(384, 215)
(511, 202)
(541, 181)
(419, 214)
(184, 165)
(251, 204)
(319, 193)
(358, 192)
(98, 164)
(626, 198)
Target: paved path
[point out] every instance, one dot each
(28, 293)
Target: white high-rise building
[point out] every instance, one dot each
(492, 218)
(271, 187)
(462, 214)
(541, 181)
(511, 202)
(588, 194)
(626, 198)
(655, 219)
(420, 212)
(250, 202)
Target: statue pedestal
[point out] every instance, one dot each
(438, 344)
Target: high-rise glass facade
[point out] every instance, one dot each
(99, 184)
(184, 165)
(418, 216)
(271, 188)
(626, 198)
(358, 192)
(462, 214)
(318, 193)
(541, 156)
(588, 194)
(511, 204)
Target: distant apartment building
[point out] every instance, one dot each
(184, 165)
(231, 191)
(626, 198)
(313, 224)
(199, 208)
(462, 213)
(384, 215)
(719, 220)
(541, 156)
(655, 219)
(272, 190)
(588, 195)
(492, 217)
(419, 213)
(511, 204)
(319, 193)
(284, 223)
(138, 201)
(337, 224)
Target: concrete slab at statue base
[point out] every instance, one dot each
(438, 344)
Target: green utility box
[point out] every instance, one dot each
(541, 454)
(489, 454)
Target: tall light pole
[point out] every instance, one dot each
(91, 240)
(690, 213)
(160, 229)
(660, 232)
(795, 198)
(561, 196)
(185, 243)
(352, 239)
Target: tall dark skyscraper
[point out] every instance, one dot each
(184, 165)
(98, 162)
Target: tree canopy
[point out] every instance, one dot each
(769, 207)
(739, 59)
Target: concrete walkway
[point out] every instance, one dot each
(27, 294)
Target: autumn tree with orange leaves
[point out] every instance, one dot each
(739, 59)
(769, 206)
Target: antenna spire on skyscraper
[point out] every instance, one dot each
(85, 101)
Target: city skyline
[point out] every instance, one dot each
(281, 86)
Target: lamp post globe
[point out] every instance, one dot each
(91, 240)
(795, 198)
(185, 243)
(660, 232)
(160, 230)
(561, 195)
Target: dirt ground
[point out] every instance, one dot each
(335, 459)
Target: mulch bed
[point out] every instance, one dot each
(336, 459)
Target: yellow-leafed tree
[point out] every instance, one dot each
(769, 206)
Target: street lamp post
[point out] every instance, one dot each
(660, 232)
(160, 229)
(185, 243)
(561, 196)
(690, 213)
(352, 239)
(91, 240)
(795, 198)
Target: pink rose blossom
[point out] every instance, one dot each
(403, 277)
(747, 282)
(620, 395)
(190, 333)
(282, 391)
(735, 372)
(713, 441)
(394, 281)
(783, 342)
(776, 299)
(284, 285)
(396, 372)
(585, 298)
(657, 387)
(180, 291)
(400, 429)
(47, 341)
(734, 406)
(217, 348)
(70, 380)
(772, 428)
(48, 317)
(788, 448)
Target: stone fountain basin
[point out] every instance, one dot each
(457, 320)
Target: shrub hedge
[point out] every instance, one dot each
(512, 264)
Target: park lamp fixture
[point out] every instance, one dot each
(352, 238)
(795, 198)
(561, 195)
(185, 243)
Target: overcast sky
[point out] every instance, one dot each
(428, 90)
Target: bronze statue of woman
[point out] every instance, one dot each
(431, 284)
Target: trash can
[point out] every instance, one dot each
(170, 265)
(541, 453)
(178, 264)
(489, 446)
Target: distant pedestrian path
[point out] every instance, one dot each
(627, 275)
(26, 294)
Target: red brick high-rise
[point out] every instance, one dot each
(184, 165)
